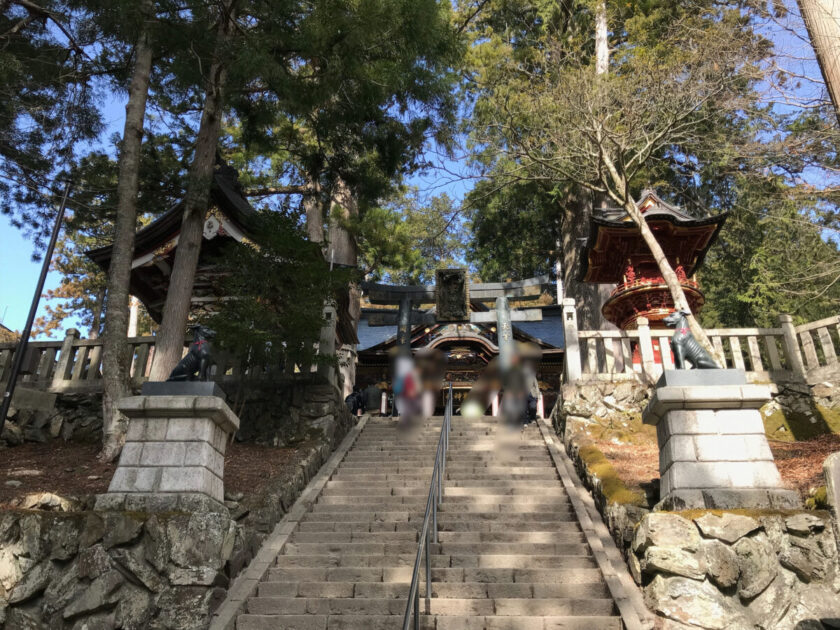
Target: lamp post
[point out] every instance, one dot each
(27, 330)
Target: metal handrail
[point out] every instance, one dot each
(429, 535)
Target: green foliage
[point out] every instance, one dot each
(276, 289)
(346, 89)
(46, 107)
(680, 109)
(515, 230)
(772, 257)
(405, 241)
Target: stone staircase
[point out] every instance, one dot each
(511, 554)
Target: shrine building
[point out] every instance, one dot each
(466, 349)
(229, 218)
(615, 253)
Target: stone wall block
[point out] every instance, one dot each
(164, 453)
(745, 421)
(757, 448)
(130, 455)
(760, 474)
(719, 447)
(758, 565)
(189, 479)
(191, 429)
(721, 563)
(701, 475)
(690, 421)
(134, 479)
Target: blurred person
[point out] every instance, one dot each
(355, 401)
(407, 389)
(373, 398)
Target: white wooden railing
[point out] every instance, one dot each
(766, 354)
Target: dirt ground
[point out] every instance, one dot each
(72, 470)
(800, 463)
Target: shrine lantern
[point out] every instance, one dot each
(616, 254)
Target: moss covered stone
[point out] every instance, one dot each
(612, 486)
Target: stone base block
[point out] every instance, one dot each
(713, 452)
(182, 388)
(175, 445)
(189, 502)
(730, 499)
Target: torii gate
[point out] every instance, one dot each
(451, 295)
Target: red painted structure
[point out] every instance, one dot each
(616, 253)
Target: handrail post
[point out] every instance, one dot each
(428, 568)
(435, 500)
(791, 347)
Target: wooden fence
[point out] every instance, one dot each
(75, 365)
(766, 354)
(806, 353)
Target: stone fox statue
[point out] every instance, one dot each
(685, 346)
(198, 360)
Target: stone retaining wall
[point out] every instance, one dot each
(722, 570)
(710, 569)
(99, 570)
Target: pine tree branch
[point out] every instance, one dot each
(42, 12)
(268, 191)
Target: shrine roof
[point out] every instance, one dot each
(225, 194)
(614, 238)
(547, 333)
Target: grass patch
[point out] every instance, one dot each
(795, 426)
(753, 513)
(612, 486)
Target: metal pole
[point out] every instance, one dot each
(417, 609)
(33, 309)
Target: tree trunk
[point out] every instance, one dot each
(314, 209)
(96, 320)
(133, 316)
(169, 343)
(115, 357)
(602, 45)
(822, 19)
(342, 247)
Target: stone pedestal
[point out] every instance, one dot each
(712, 449)
(174, 454)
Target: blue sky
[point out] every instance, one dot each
(19, 271)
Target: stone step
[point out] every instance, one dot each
(435, 606)
(494, 561)
(534, 485)
(449, 548)
(448, 477)
(507, 524)
(452, 500)
(448, 575)
(453, 590)
(477, 507)
(427, 622)
(450, 492)
(451, 466)
(444, 518)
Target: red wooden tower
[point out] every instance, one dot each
(616, 254)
